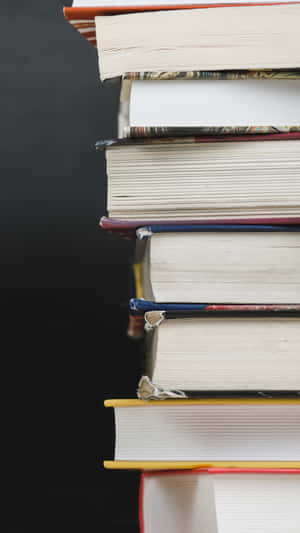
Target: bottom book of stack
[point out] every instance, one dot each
(215, 500)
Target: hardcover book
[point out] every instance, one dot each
(204, 178)
(197, 103)
(195, 350)
(180, 434)
(218, 263)
(220, 500)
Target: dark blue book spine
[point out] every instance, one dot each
(143, 306)
(162, 228)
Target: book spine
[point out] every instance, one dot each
(127, 228)
(147, 231)
(160, 131)
(142, 306)
(104, 144)
(176, 310)
(214, 75)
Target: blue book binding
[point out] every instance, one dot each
(143, 306)
(139, 306)
(165, 228)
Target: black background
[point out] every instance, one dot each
(64, 284)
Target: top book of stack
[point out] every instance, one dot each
(182, 38)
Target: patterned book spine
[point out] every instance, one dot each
(104, 144)
(215, 75)
(152, 132)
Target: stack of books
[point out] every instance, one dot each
(205, 176)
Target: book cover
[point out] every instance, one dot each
(171, 132)
(141, 263)
(192, 465)
(127, 228)
(214, 75)
(151, 388)
(214, 135)
(173, 310)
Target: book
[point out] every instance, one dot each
(215, 263)
(179, 434)
(210, 102)
(204, 177)
(199, 39)
(216, 500)
(198, 349)
(83, 12)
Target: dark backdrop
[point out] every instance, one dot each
(64, 284)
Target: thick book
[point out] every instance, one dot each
(177, 434)
(83, 12)
(193, 350)
(219, 500)
(203, 178)
(199, 39)
(218, 263)
(195, 103)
